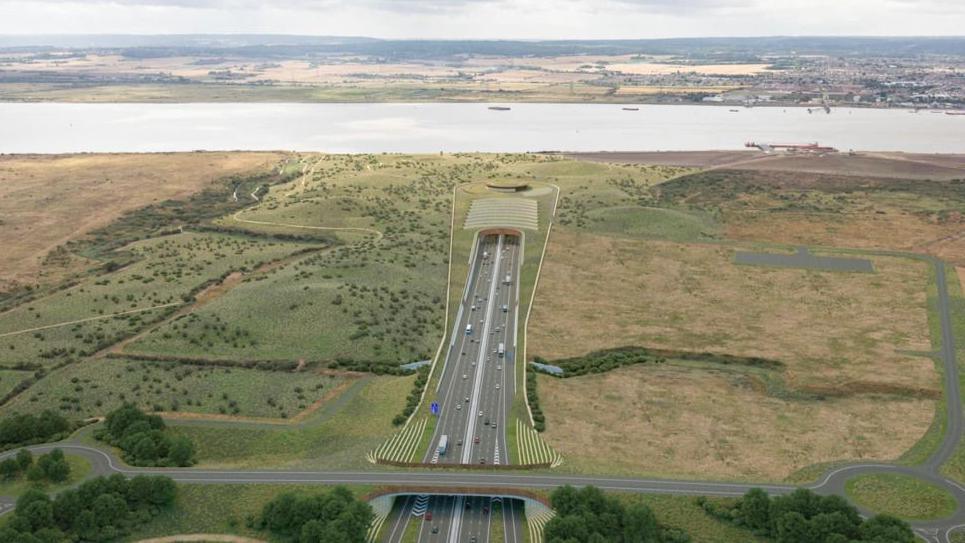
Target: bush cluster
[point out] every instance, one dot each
(101, 509)
(806, 517)
(539, 420)
(588, 516)
(25, 429)
(51, 467)
(142, 439)
(412, 401)
(333, 517)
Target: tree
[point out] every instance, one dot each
(792, 527)
(886, 529)
(640, 525)
(9, 469)
(755, 510)
(181, 452)
(58, 471)
(25, 459)
(35, 473)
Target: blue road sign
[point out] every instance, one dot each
(434, 407)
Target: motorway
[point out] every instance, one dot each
(475, 392)
(435, 515)
(477, 384)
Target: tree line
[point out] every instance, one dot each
(587, 515)
(806, 517)
(52, 467)
(101, 509)
(143, 440)
(26, 429)
(332, 517)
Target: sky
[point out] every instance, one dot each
(488, 19)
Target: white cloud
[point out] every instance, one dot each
(480, 19)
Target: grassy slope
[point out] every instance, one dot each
(900, 495)
(325, 440)
(95, 387)
(169, 268)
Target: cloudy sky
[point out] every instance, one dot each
(476, 19)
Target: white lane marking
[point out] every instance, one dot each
(456, 524)
(401, 516)
(483, 340)
(454, 360)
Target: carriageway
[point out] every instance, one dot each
(448, 515)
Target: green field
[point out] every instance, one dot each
(80, 469)
(78, 321)
(900, 495)
(336, 438)
(10, 379)
(95, 387)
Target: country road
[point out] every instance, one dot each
(105, 463)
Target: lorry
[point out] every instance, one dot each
(443, 445)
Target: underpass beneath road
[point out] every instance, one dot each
(457, 518)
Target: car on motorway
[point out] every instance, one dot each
(497, 386)
(458, 407)
(467, 399)
(475, 439)
(428, 515)
(459, 443)
(464, 376)
(493, 425)
(435, 529)
(485, 509)
(486, 422)
(480, 413)
(482, 460)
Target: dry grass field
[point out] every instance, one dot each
(843, 340)
(47, 200)
(686, 422)
(840, 331)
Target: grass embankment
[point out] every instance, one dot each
(221, 509)
(900, 495)
(338, 437)
(80, 468)
(96, 387)
(77, 321)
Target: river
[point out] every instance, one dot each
(434, 127)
